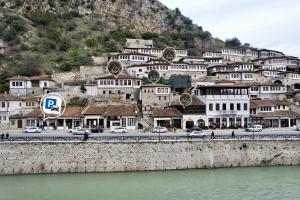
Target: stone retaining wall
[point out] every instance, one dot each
(24, 158)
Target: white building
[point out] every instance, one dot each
(226, 106)
(157, 52)
(236, 54)
(36, 85)
(13, 108)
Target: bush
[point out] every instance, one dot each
(149, 35)
(41, 18)
(77, 101)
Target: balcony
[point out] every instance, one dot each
(228, 112)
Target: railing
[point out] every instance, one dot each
(149, 138)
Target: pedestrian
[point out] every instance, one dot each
(2, 136)
(85, 136)
(212, 135)
(7, 136)
(232, 134)
(174, 129)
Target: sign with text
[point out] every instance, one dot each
(53, 105)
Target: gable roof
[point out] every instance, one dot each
(121, 110)
(94, 110)
(166, 112)
(32, 78)
(254, 103)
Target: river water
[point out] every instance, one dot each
(270, 183)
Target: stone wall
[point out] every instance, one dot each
(24, 158)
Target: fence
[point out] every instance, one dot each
(148, 138)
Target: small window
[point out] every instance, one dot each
(224, 106)
(231, 106)
(238, 106)
(211, 107)
(217, 106)
(245, 106)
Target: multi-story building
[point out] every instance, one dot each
(131, 58)
(124, 86)
(36, 85)
(13, 108)
(239, 54)
(272, 113)
(267, 90)
(157, 52)
(226, 105)
(167, 70)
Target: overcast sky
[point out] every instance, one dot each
(272, 24)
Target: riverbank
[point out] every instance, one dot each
(69, 157)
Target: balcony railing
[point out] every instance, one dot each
(228, 112)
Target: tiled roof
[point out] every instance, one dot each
(120, 110)
(254, 103)
(71, 112)
(94, 110)
(9, 97)
(121, 76)
(33, 78)
(195, 102)
(278, 113)
(166, 112)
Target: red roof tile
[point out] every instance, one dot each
(166, 112)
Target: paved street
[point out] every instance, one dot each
(140, 133)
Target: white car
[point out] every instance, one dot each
(196, 133)
(81, 131)
(255, 128)
(75, 129)
(119, 130)
(160, 130)
(32, 130)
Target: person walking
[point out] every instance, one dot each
(232, 134)
(85, 136)
(7, 136)
(212, 135)
(2, 136)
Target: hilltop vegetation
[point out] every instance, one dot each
(60, 35)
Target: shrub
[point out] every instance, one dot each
(77, 101)
(149, 35)
(41, 18)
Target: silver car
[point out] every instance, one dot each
(196, 133)
(81, 131)
(32, 130)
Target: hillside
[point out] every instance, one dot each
(46, 36)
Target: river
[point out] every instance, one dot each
(269, 183)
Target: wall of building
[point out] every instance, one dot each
(56, 157)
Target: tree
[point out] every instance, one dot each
(234, 42)
(77, 101)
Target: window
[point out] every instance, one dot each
(224, 106)
(104, 92)
(45, 84)
(165, 98)
(217, 106)
(3, 104)
(13, 83)
(131, 121)
(211, 107)
(4, 118)
(238, 106)
(245, 106)
(159, 98)
(231, 106)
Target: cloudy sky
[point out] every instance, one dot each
(273, 24)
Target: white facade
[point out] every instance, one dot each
(226, 106)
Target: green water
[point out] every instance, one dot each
(274, 183)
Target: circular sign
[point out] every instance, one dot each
(53, 105)
(154, 76)
(169, 54)
(185, 99)
(114, 67)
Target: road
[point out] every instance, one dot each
(139, 133)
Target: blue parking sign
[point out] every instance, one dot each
(50, 102)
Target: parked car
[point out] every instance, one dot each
(32, 130)
(196, 133)
(255, 128)
(97, 130)
(119, 130)
(81, 131)
(75, 129)
(194, 129)
(160, 130)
